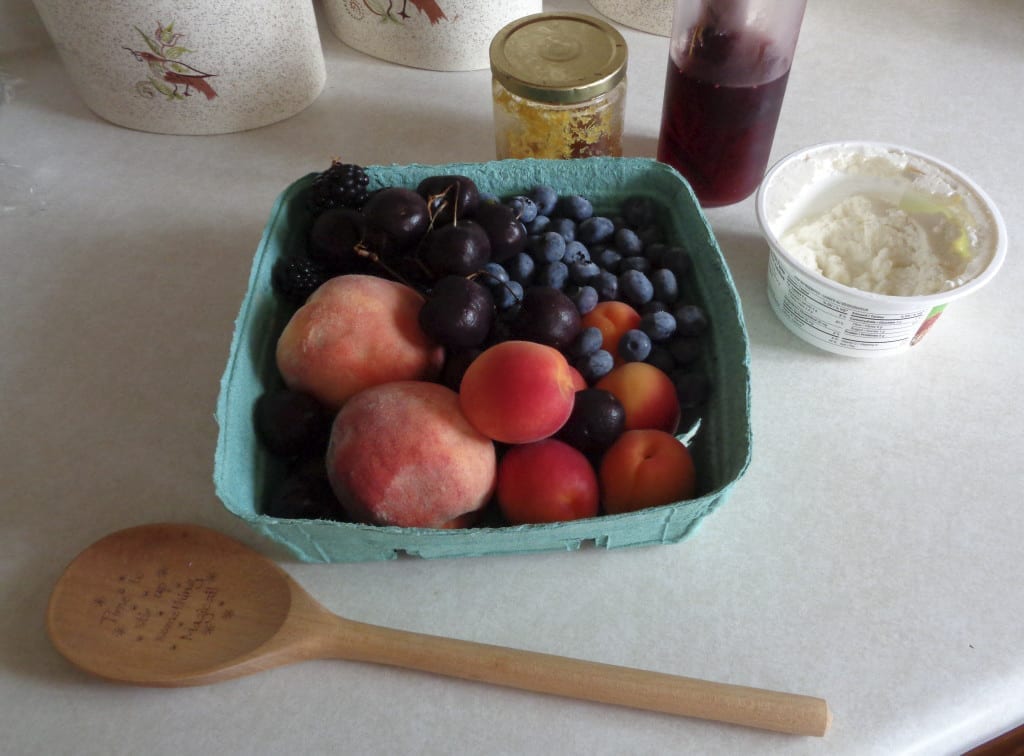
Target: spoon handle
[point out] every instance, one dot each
(591, 681)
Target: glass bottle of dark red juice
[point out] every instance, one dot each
(729, 62)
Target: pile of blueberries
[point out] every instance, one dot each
(592, 258)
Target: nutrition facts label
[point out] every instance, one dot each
(826, 320)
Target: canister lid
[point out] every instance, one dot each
(558, 57)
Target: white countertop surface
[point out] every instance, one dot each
(870, 556)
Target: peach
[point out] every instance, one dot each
(546, 481)
(645, 468)
(647, 394)
(354, 332)
(517, 392)
(402, 453)
(578, 381)
(613, 318)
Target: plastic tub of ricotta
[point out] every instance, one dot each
(869, 243)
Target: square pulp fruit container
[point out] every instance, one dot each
(244, 473)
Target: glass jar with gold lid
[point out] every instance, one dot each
(559, 87)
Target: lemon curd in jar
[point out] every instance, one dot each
(559, 87)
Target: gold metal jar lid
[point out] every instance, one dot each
(558, 57)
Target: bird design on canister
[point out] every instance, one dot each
(430, 8)
(168, 74)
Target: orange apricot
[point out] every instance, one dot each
(646, 468)
(517, 392)
(647, 395)
(546, 481)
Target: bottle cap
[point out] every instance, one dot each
(558, 58)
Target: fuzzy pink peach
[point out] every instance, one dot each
(354, 332)
(402, 453)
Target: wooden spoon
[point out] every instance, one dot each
(172, 605)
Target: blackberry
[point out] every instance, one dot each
(295, 278)
(291, 424)
(341, 185)
(305, 493)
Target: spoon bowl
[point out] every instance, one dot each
(168, 605)
(174, 605)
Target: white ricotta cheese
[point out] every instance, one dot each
(872, 244)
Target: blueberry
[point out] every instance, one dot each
(634, 346)
(609, 259)
(544, 197)
(691, 320)
(525, 208)
(547, 247)
(684, 349)
(576, 251)
(554, 274)
(595, 366)
(656, 254)
(635, 262)
(658, 325)
(677, 260)
(628, 243)
(666, 287)
(692, 388)
(575, 206)
(653, 306)
(538, 225)
(661, 358)
(586, 299)
(582, 273)
(521, 268)
(639, 211)
(607, 285)
(494, 274)
(587, 342)
(566, 227)
(508, 296)
(595, 229)
(650, 234)
(636, 287)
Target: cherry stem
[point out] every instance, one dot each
(504, 284)
(373, 257)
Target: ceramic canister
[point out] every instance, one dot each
(652, 16)
(189, 66)
(439, 35)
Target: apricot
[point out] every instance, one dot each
(354, 332)
(645, 468)
(613, 318)
(647, 395)
(546, 481)
(402, 453)
(518, 392)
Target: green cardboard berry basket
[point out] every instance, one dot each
(244, 473)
